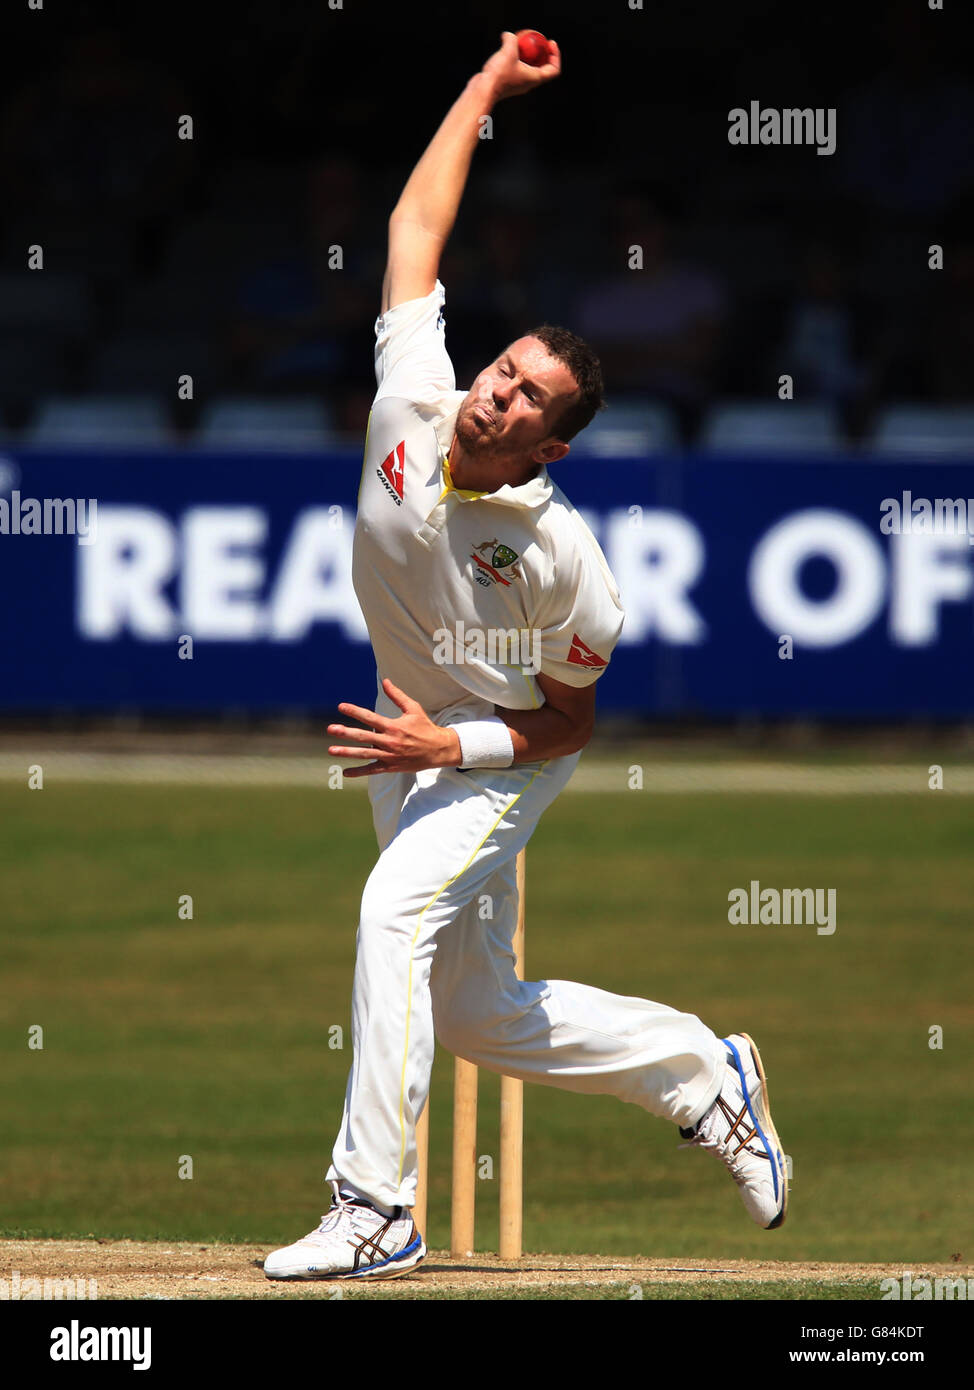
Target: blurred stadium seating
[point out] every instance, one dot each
(629, 428)
(99, 421)
(927, 431)
(249, 423)
(126, 407)
(756, 426)
(255, 267)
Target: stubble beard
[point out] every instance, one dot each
(476, 440)
(482, 449)
(475, 437)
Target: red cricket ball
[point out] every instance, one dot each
(532, 48)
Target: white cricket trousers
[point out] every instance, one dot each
(435, 956)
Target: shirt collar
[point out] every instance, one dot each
(465, 494)
(532, 494)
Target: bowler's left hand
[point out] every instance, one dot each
(410, 743)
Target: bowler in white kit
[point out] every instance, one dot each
(492, 613)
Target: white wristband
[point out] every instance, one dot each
(484, 743)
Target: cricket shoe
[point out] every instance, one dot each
(354, 1241)
(738, 1129)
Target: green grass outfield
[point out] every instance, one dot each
(210, 1037)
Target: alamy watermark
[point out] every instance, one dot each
(942, 1288)
(788, 125)
(774, 906)
(77, 1343)
(16, 1289)
(49, 516)
(496, 646)
(907, 515)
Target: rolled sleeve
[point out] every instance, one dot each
(577, 651)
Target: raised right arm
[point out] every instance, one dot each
(423, 218)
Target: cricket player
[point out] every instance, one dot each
(462, 535)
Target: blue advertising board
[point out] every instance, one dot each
(827, 587)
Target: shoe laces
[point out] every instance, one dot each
(341, 1207)
(720, 1147)
(708, 1136)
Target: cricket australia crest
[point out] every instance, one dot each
(492, 571)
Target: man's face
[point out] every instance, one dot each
(504, 426)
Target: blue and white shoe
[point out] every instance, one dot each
(738, 1129)
(354, 1241)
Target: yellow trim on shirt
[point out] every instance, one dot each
(365, 454)
(532, 689)
(450, 486)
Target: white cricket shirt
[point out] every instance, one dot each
(430, 559)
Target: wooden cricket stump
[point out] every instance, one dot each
(464, 1182)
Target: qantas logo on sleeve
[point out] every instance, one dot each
(390, 475)
(581, 655)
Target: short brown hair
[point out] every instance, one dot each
(584, 366)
